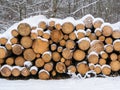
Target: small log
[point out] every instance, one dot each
(53, 47)
(115, 65)
(60, 67)
(42, 25)
(24, 29)
(102, 61)
(40, 31)
(40, 46)
(26, 42)
(52, 23)
(103, 55)
(82, 68)
(91, 66)
(14, 33)
(116, 34)
(48, 66)
(113, 56)
(3, 40)
(39, 63)
(56, 56)
(8, 46)
(14, 40)
(72, 36)
(56, 36)
(67, 27)
(62, 42)
(98, 32)
(33, 70)
(38, 55)
(79, 55)
(88, 32)
(6, 70)
(66, 37)
(97, 22)
(58, 26)
(53, 73)
(116, 45)
(62, 60)
(25, 72)
(1, 61)
(47, 56)
(97, 69)
(46, 34)
(60, 49)
(50, 42)
(106, 70)
(80, 26)
(10, 61)
(67, 53)
(96, 46)
(33, 35)
(70, 44)
(84, 44)
(109, 40)
(43, 75)
(107, 30)
(68, 62)
(3, 52)
(71, 69)
(108, 48)
(16, 71)
(19, 61)
(29, 54)
(93, 58)
(80, 34)
(17, 49)
(92, 37)
(101, 38)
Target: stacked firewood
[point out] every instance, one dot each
(53, 49)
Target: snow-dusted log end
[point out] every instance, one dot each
(54, 48)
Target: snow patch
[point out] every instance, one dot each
(4, 66)
(82, 39)
(28, 64)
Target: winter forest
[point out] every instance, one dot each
(12, 11)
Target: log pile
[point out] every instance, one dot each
(54, 50)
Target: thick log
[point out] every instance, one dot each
(19, 61)
(48, 66)
(25, 72)
(93, 58)
(39, 63)
(29, 54)
(115, 65)
(70, 44)
(43, 75)
(79, 55)
(67, 53)
(47, 56)
(24, 29)
(17, 49)
(3, 40)
(10, 61)
(16, 71)
(60, 67)
(56, 56)
(26, 42)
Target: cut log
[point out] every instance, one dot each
(3, 52)
(72, 36)
(98, 32)
(58, 26)
(39, 63)
(70, 44)
(46, 56)
(67, 53)
(29, 54)
(1, 61)
(53, 73)
(67, 28)
(16, 71)
(14, 40)
(3, 41)
(33, 35)
(40, 46)
(46, 34)
(92, 37)
(80, 34)
(53, 47)
(115, 65)
(25, 72)
(113, 56)
(97, 69)
(102, 61)
(80, 26)
(107, 30)
(71, 69)
(62, 60)
(108, 48)
(60, 49)
(43, 75)
(6, 70)
(56, 35)
(40, 32)
(68, 62)
(19, 61)
(82, 68)
(103, 55)
(84, 44)
(17, 49)
(91, 66)
(8, 46)
(42, 25)
(97, 22)
(26, 42)
(52, 23)
(48, 66)
(109, 40)
(14, 33)
(116, 45)
(62, 42)
(88, 32)
(93, 58)
(116, 34)
(66, 37)
(33, 70)
(79, 55)
(60, 67)
(10, 61)
(56, 56)
(106, 70)
(96, 46)
(24, 29)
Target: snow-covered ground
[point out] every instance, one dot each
(109, 83)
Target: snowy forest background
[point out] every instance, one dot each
(12, 11)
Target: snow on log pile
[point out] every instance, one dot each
(55, 48)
